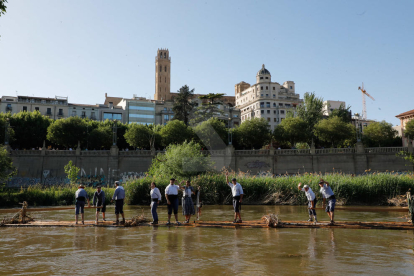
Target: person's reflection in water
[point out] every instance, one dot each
(332, 231)
(172, 241)
(236, 251)
(153, 246)
(312, 244)
(100, 239)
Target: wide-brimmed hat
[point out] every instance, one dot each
(81, 186)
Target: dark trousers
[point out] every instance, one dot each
(312, 211)
(154, 206)
(119, 206)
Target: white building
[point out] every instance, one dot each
(266, 99)
(329, 106)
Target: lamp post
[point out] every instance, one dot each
(114, 136)
(230, 134)
(358, 132)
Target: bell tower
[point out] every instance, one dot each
(162, 75)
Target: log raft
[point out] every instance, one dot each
(229, 224)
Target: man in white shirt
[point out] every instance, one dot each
(237, 192)
(155, 201)
(310, 195)
(171, 194)
(329, 196)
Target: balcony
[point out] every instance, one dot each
(9, 109)
(93, 117)
(60, 114)
(83, 116)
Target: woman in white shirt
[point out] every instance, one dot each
(155, 200)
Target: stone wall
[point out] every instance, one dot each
(103, 167)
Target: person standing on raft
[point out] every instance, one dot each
(329, 196)
(171, 194)
(81, 195)
(187, 202)
(155, 201)
(119, 196)
(311, 201)
(237, 192)
(99, 200)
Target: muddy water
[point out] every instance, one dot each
(208, 251)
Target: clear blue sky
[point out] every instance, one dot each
(83, 49)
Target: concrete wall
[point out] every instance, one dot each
(104, 167)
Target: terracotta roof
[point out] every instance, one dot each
(411, 112)
(114, 100)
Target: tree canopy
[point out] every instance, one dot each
(3, 7)
(143, 136)
(212, 133)
(310, 112)
(67, 132)
(343, 113)
(379, 134)
(208, 109)
(252, 133)
(182, 105)
(409, 129)
(7, 169)
(175, 132)
(334, 131)
(292, 130)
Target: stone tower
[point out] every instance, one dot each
(162, 75)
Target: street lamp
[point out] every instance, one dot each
(230, 134)
(358, 132)
(114, 136)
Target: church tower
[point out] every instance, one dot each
(162, 75)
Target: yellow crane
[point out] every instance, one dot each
(364, 105)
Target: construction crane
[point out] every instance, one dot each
(364, 104)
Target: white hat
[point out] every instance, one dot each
(306, 186)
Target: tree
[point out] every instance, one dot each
(72, 172)
(208, 109)
(3, 7)
(212, 133)
(343, 113)
(409, 129)
(379, 133)
(310, 112)
(7, 170)
(183, 160)
(175, 132)
(100, 137)
(182, 104)
(253, 133)
(67, 132)
(334, 131)
(3, 125)
(30, 129)
(121, 129)
(291, 130)
(143, 136)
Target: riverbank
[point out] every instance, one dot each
(368, 189)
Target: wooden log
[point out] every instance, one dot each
(45, 209)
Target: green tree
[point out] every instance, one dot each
(143, 136)
(343, 113)
(100, 138)
(121, 129)
(67, 132)
(30, 129)
(291, 130)
(175, 132)
(210, 108)
(183, 160)
(7, 170)
(334, 131)
(253, 133)
(379, 134)
(3, 124)
(3, 7)
(310, 112)
(72, 172)
(409, 129)
(212, 133)
(182, 104)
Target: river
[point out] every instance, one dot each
(208, 251)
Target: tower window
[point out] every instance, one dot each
(165, 68)
(161, 55)
(160, 68)
(165, 79)
(291, 87)
(261, 78)
(165, 55)
(160, 78)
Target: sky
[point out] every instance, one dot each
(83, 49)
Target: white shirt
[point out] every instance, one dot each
(309, 194)
(326, 191)
(236, 190)
(172, 189)
(155, 193)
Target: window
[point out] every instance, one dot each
(267, 87)
(73, 113)
(274, 104)
(268, 119)
(165, 55)
(267, 104)
(280, 104)
(49, 111)
(274, 88)
(145, 116)
(274, 119)
(274, 96)
(291, 87)
(261, 87)
(36, 108)
(262, 111)
(165, 68)
(287, 105)
(112, 116)
(267, 95)
(261, 78)
(165, 79)
(149, 108)
(268, 111)
(161, 55)
(24, 108)
(261, 104)
(166, 117)
(282, 112)
(160, 68)
(92, 115)
(261, 95)
(267, 77)
(274, 111)
(83, 114)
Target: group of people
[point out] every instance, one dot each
(329, 200)
(171, 195)
(82, 197)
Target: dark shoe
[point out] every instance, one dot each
(187, 221)
(234, 221)
(239, 221)
(310, 219)
(104, 219)
(83, 222)
(168, 223)
(178, 223)
(116, 223)
(154, 222)
(123, 221)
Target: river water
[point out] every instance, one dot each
(208, 251)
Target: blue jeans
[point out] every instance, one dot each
(79, 207)
(154, 206)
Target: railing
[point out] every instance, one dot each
(252, 152)
(135, 153)
(60, 152)
(335, 151)
(292, 151)
(95, 152)
(214, 152)
(26, 152)
(385, 150)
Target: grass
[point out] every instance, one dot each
(38, 195)
(368, 189)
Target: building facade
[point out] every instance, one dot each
(404, 119)
(266, 99)
(329, 106)
(84, 111)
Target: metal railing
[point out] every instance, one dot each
(291, 151)
(386, 150)
(252, 152)
(135, 153)
(335, 151)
